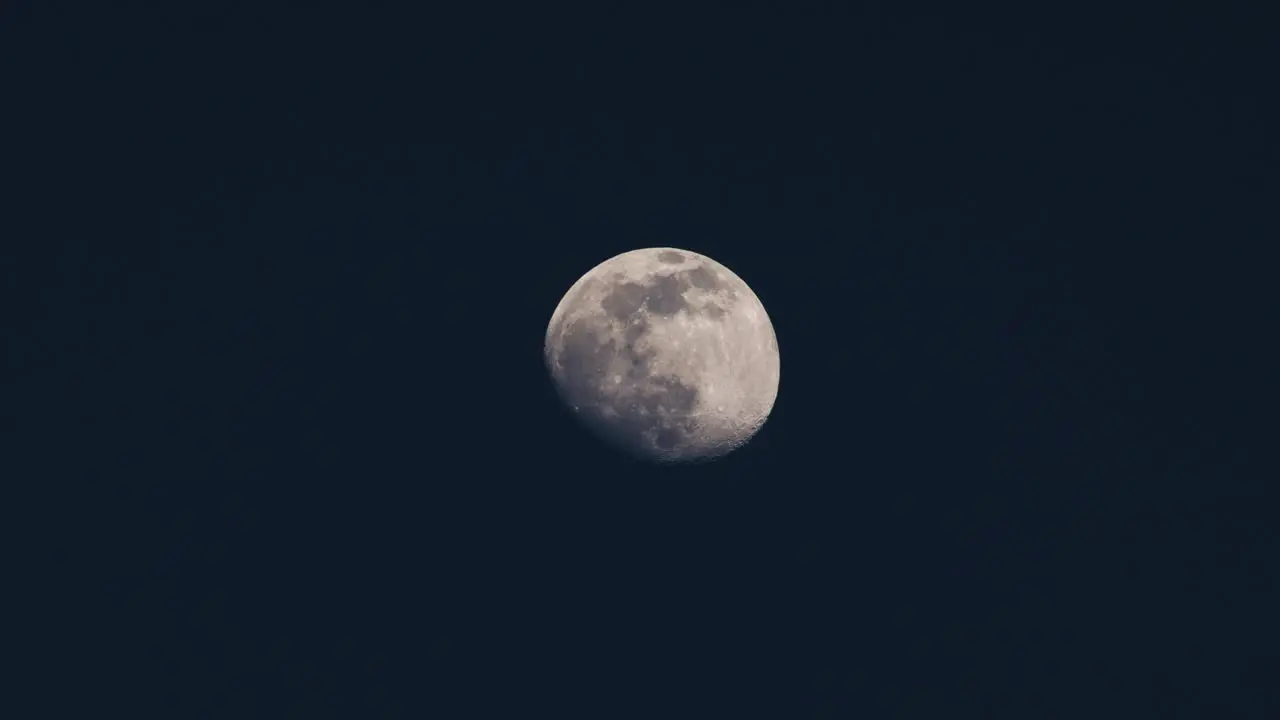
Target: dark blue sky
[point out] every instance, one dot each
(279, 278)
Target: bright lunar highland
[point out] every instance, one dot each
(665, 354)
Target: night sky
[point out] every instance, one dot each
(275, 283)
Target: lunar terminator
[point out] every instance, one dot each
(665, 354)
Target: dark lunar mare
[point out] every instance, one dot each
(645, 407)
(662, 295)
(644, 414)
(701, 277)
(584, 358)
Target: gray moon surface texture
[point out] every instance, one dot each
(665, 354)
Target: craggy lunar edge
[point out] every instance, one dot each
(665, 354)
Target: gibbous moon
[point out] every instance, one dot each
(665, 354)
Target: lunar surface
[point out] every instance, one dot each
(665, 354)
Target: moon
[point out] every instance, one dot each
(665, 354)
